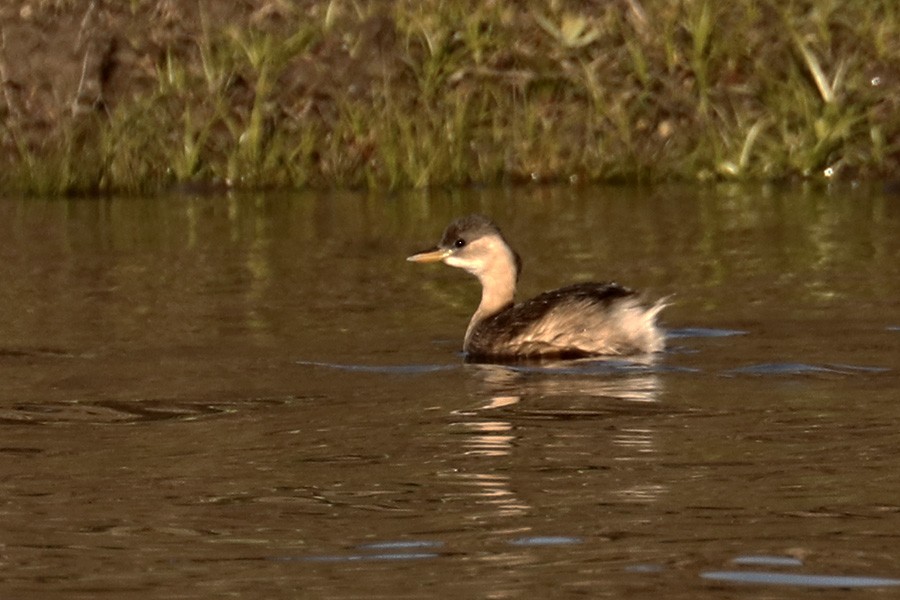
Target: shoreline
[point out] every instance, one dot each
(156, 95)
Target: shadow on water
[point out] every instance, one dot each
(385, 369)
(803, 369)
(129, 411)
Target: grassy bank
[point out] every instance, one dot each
(417, 93)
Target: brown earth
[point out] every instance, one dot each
(59, 57)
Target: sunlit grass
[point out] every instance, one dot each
(483, 92)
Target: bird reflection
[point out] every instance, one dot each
(488, 438)
(597, 383)
(504, 435)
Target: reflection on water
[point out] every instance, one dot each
(488, 496)
(488, 438)
(591, 379)
(588, 390)
(256, 396)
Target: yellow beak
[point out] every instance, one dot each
(433, 255)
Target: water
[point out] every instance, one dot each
(258, 397)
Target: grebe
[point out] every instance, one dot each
(583, 319)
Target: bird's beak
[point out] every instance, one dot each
(432, 255)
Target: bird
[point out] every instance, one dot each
(576, 321)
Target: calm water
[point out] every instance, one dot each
(258, 397)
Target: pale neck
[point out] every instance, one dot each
(498, 288)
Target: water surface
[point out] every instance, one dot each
(258, 396)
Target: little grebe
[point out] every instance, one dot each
(583, 319)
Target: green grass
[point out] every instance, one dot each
(461, 92)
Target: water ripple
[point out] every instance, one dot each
(366, 557)
(774, 561)
(398, 545)
(702, 332)
(787, 368)
(799, 579)
(389, 369)
(126, 411)
(545, 540)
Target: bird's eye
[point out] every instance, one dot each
(459, 243)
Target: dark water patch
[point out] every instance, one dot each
(702, 332)
(387, 369)
(124, 411)
(39, 352)
(804, 369)
(798, 579)
(21, 451)
(601, 412)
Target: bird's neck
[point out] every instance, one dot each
(498, 288)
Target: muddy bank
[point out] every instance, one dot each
(101, 96)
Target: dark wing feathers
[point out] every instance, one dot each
(533, 310)
(512, 321)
